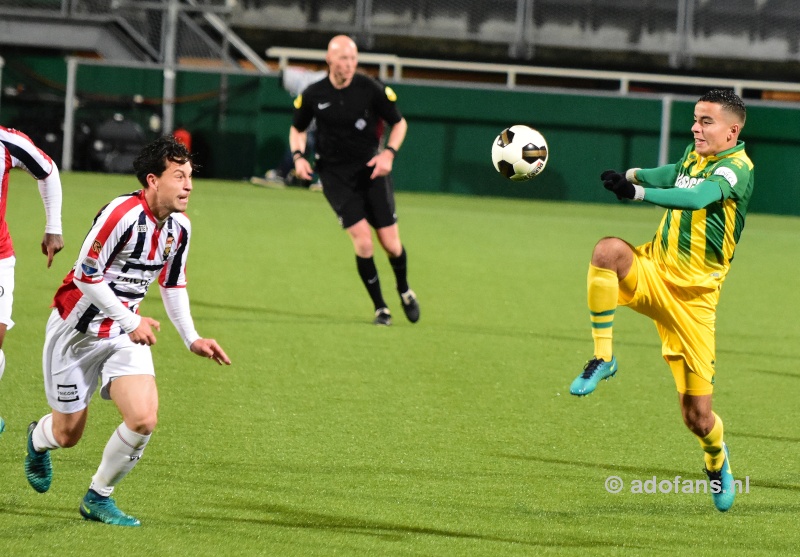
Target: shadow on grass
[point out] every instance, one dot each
(277, 312)
(288, 517)
(778, 373)
(63, 512)
(778, 438)
(640, 470)
(645, 472)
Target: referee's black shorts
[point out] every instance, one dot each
(353, 196)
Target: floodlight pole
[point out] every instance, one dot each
(666, 129)
(69, 114)
(168, 106)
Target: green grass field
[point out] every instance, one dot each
(455, 436)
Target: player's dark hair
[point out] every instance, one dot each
(729, 100)
(155, 156)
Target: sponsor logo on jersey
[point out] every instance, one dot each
(685, 181)
(133, 280)
(89, 266)
(323, 106)
(141, 228)
(361, 124)
(391, 95)
(298, 102)
(728, 174)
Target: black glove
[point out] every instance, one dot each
(615, 182)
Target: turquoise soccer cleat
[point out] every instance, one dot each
(103, 509)
(2, 425)
(723, 490)
(594, 370)
(38, 468)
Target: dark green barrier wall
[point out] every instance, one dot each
(451, 130)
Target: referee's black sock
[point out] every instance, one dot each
(399, 268)
(369, 276)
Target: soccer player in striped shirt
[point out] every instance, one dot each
(18, 151)
(676, 278)
(96, 335)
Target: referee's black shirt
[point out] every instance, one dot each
(347, 119)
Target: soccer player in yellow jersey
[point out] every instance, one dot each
(676, 278)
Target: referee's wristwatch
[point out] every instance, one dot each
(297, 154)
(393, 150)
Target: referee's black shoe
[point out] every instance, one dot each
(410, 305)
(383, 317)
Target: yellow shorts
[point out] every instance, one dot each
(685, 319)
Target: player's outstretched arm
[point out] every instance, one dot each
(691, 199)
(208, 348)
(51, 245)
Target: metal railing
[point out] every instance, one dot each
(392, 67)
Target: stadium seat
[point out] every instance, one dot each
(780, 20)
(732, 17)
(627, 15)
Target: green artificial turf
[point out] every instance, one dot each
(454, 436)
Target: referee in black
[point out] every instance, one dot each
(350, 109)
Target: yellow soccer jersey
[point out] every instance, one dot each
(695, 247)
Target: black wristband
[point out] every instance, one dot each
(392, 149)
(297, 154)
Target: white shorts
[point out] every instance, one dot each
(74, 363)
(7, 289)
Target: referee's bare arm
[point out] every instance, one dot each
(297, 142)
(384, 160)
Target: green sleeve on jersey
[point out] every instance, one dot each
(660, 177)
(692, 199)
(727, 175)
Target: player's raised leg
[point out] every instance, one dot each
(612, 259)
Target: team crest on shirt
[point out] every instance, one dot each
(361, 124)
(89, 266)
(168, 246)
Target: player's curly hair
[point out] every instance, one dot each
(154, 157)
(729, 100)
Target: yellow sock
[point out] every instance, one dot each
(712, 445)
(603, 288)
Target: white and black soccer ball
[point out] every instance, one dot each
(519, 153)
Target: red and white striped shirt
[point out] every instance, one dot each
(18, 151)
(126, 250)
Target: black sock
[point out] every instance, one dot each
(369, 276)
(399, 268)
